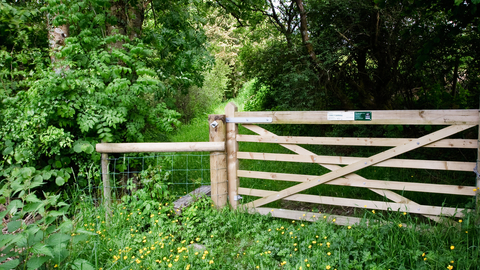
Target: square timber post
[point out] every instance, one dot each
(218, 161)
(232, 161)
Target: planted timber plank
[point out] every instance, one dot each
(305, 216)
(392, 163)
(388, 142)
(185, 201)
(401, 117)
(357, 203)
(353, 181)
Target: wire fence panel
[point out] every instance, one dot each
(182, 172)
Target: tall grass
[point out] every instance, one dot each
(204, 238)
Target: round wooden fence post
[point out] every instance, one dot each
(107, 196)
(218, 161)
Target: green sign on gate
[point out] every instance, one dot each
(363, 116)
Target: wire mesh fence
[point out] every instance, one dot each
(181, 172)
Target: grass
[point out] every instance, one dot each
(204, 238)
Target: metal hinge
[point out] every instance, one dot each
(249, 120)
(237, 197)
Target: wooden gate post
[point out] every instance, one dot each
(232, 149)
(218, 161)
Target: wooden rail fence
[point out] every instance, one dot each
(225, 156)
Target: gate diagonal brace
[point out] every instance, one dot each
(382, 192)
(342, 171)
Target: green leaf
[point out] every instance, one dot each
(58, 164)
(47, 175)
(7, 151)
(32, 207)
(59, 181)
(14, 225)
(32, 198)
(56, 213)
(36, 262)
(10, 264)
(57, 238)
(37, 181)
(78, 148)
(14, 206)
(7, 239)
(42, 249)
(26, 172)
(81, 264)
(89, 149)
(65, 160)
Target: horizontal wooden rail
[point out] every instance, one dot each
(447, 143)
(378, 205)
(307, 216)
(353, 181)
(403, 117)
(160, 147)
(392, 163)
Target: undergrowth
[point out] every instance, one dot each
(204, 238)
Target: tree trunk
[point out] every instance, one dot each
(304, 32)
(56, 36)
(129, 19)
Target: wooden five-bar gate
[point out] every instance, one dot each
(225, 156)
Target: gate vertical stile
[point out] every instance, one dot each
(232, 161)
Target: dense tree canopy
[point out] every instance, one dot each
(364, 54)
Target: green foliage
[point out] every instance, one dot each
(153, 187)
(101, 87)
(39, 231)
(368, 54)
(200, 99)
